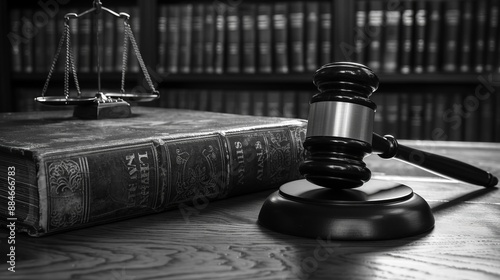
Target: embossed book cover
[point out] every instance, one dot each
(63, 173)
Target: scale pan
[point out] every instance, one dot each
(134, 97)
(58, 100)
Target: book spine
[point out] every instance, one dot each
(16, 40)
(311, 36)
(452, 19)
(416, 116)
(407, 19)
(264, 37)
(274, 104)
(391, 42)
(185, 40)
(173, 39)
(41, 61)
(391, 125)
(289, 104)
(297, 24)
(280, 25)
(428, 115)
(209, 39)
(249, 39)
(361, 24)
(433, 45)
(493, 37)
(29, 28)
(244, 101)
(220, 41)
(375, 21)
(162, 38)
(480, 36)
(84, 188)
(466, 45)
(233, 40)
(421, 25)
(197, 40)
(325, 32)
(98, 42)
(403, 115)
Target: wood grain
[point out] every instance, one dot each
(224, 241)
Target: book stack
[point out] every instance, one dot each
(428, 36)
(244, 37)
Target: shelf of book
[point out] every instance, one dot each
(259, 50)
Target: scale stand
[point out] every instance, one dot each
(101, 105)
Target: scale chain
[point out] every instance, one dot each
(53, 65)
(139, 56)
(124, 57)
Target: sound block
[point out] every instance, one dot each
(103, 110)
(377, 210)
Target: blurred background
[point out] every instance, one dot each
(438, 61)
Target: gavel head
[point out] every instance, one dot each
(340, 126)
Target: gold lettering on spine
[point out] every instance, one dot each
(260, 160)
(240, 157)
(138, 170)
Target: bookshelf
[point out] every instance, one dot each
(438, 60)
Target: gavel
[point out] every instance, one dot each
(340, 134)
(337, 199)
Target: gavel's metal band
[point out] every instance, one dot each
(341, 119)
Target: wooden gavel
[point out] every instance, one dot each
(340, 134)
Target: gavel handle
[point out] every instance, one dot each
(388, 147)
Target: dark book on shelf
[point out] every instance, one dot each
(325, 33)
(233, 23)
(311, 36)
(492, 37)
(375, 22)
(72, 173)
(419, 41)
(451, 21)
(465, 47)
(280, 35)
(407, 23)
(480, 33)
(297, 25)
(197, 39)
(390, 44)
(249, 38)
(360, 40)
(433, 37)
(264, 38)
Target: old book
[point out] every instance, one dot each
(185, 38)
(375, 21)
(233, 29)
(249, 38)
(264, 37)
(451, 20)
(297, 24)
(69, 173)
(407, 37)
(197, 40)
(391, 42)
(280, 28)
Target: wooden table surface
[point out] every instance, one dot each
(224, 241)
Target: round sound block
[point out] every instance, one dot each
(378, 210)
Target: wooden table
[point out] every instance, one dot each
(224, 241)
